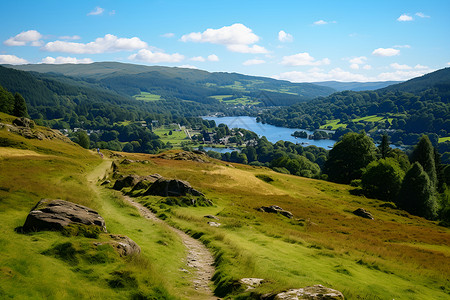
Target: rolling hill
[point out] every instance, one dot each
(356, 86)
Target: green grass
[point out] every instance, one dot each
(144, 96)
(334, 125)
(444, 139)
(236, 101)
(394, 256)
(175, 138)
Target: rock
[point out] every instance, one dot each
(124, 245)
(171, 187)
(214, 224)
(361, 212)
(106, 182)
(251, 283)
(276, 209)
(211, 217)
(127, 181)
(316, 292)
(23, 122)
(126, 161)
(197, 156)
(55, 214)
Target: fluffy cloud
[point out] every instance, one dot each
(358, 60)
(65, 60)
(12, 60)
(303, 59)
(386, 52)
(24, 38)
(251, 62)
(68, 37)
(397, 66)
(236, 38)
(354, 66)
(367, 67)
(109, 43)
(401, 75)
(156, 57)
(198, 58)
(284, 37)
(188, 67)
(421, 15)
(212, 57)
(322, 22)
(168, 35)
(319, 75)
(97, 11)
(404, 18)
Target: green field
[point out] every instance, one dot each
(144, 96)
(236, 101)
(175, 138)
(334, 125)
(444, 139)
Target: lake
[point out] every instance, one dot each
(272, 133)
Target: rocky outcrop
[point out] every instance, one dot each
(30, 132)
(316, 292)
(276, 209)
(23, 122)
(214, 224)
(171, 187)
(127, 181)
(251, 283)
(197, 156)
(55, 214)
(211, 217)
(124, 245)
(361, 212)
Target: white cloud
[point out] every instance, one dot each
(168, 35)
(397, 66)
(255, 49)
(68, 37)
(236, 38)
(303, 59)
(285, 37)
(401, 75)
(358, 60)
(198, 58)
(404, 18)
(12, 60)
(213, 57)
(65, 60)
(97, 11)
(402, 46)
(251, 62)
(420, 67)
(315, 76)
(421, 15)
(156, 57)
(109, 43)
(386, 52)
(320, 22)
(367, 67)
(24, 38)
(188, 67)
(354, 66)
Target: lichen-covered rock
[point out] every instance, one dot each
(124, 245)
(23, 122)
(276, 210)
(251, 283)
(316, 292)
(55, 214)
(171, 187)
(361, 212)
(127, 181)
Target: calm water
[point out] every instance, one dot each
(272, 133)
(220, 150)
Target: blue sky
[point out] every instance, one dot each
(301, 41)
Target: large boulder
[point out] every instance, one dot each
(171, 187)
(124, 245)
(127, 181)
(276, 210)
(55, 214)
(361, 212)
(316, 292)
(23, 122)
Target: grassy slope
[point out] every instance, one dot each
(394, 256)
(55, 169)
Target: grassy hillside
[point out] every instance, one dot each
(394, 256)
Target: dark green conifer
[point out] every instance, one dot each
(20, 106)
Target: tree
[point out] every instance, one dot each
(384, 146)
(382, 179)
(349, 156)
(417, 193)
(6, 101)
(424, 154)
(20, 106)
(82, 139)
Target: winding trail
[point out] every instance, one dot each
(198, 256)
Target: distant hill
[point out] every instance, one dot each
(439, 80)
(185, 84)
(356, 86)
